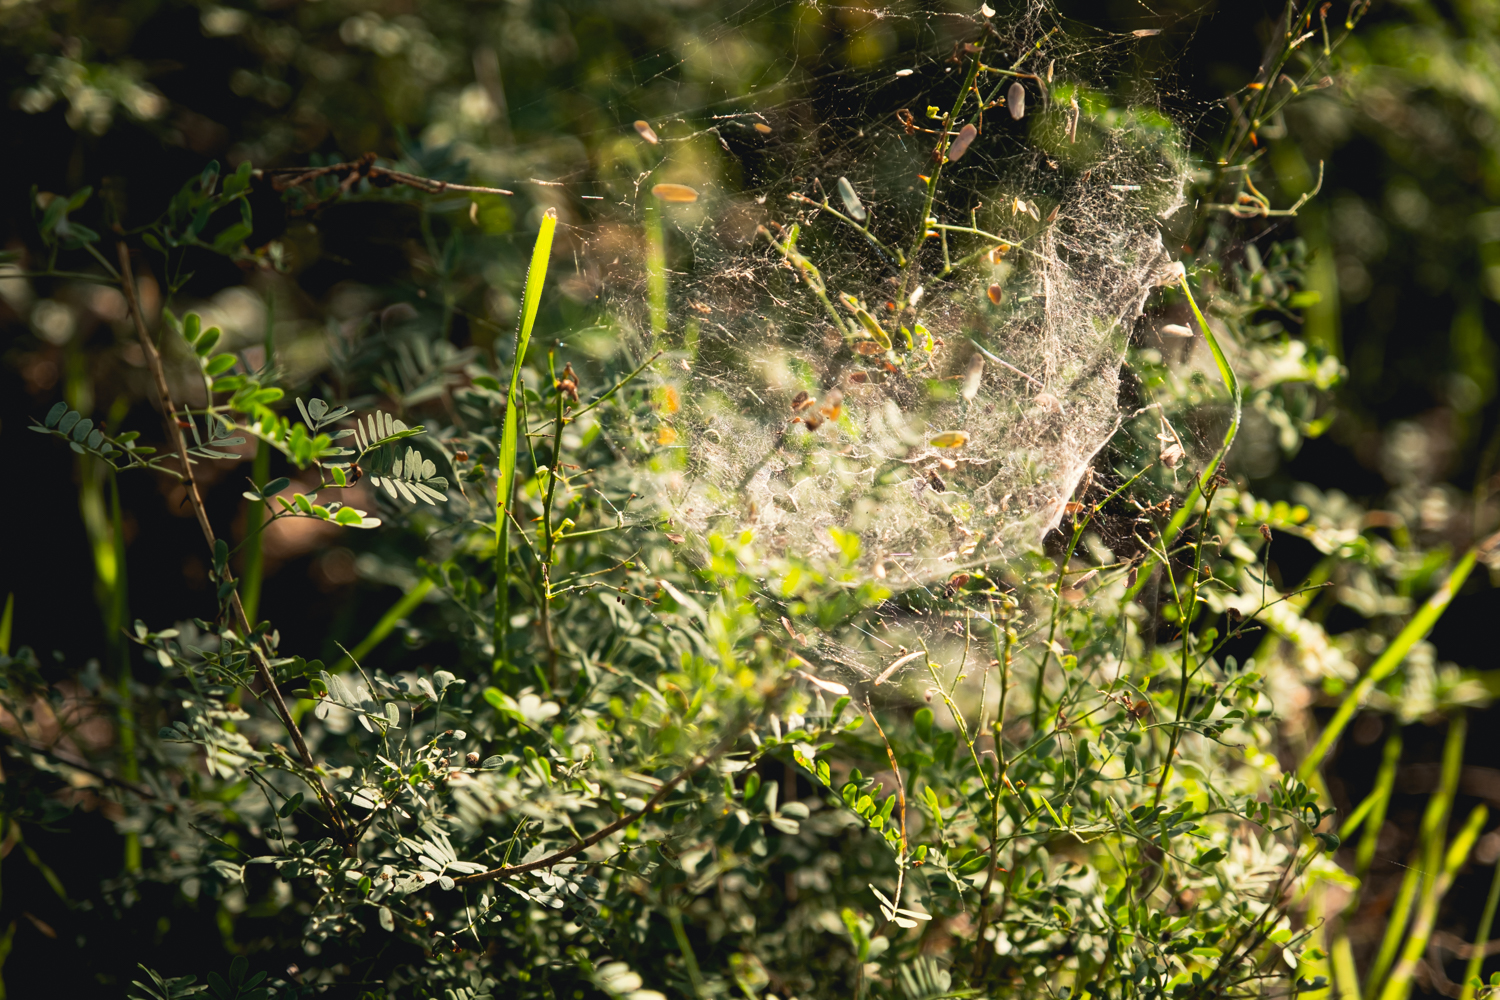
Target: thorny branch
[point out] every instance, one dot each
(190, 482)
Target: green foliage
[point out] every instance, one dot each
(641, 769)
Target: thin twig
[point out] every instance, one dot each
(108, 779)
(698, 763)
(174, 433)
(895, 769)
(283, 178)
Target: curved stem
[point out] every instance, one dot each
(174, 433)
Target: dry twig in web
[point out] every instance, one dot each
(364, 168)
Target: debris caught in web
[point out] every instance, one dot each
(916, 375)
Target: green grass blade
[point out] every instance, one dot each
(1345, 975)
(1398, 987)
(1385, 780)
(1416, 630)
(253, 569)
(5, 624)
(405, 606)
(1481, 937)
(1427, 861)
(656, 272)
(1201, 483)
(536, 277)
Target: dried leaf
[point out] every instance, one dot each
(677, 194)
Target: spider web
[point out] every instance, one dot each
(774, 413)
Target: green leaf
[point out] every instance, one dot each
(69, 419)
(52, 215)
(536, 277)
(219, 365)
(290, 806)
(923, 722)
(239, 180)
(80, 235)
(200, 219)
(192, 328)
(207, 341)
(972, 865)
(55, 414)
(79, 198)
(232, 237)
(348, 515)
(81, 429)
(875, 330)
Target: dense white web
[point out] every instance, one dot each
(779, 408)
(821, 370)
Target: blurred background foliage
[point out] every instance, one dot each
(131, 97)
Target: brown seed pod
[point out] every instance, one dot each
(472, 759)
(801, 401)
(869, 348)
(996, 294)
(960, 144)
(762, 128)
(1015, 100)
(646, 132)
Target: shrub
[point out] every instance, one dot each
(877, 639)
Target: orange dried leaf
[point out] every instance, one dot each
(677, 194)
